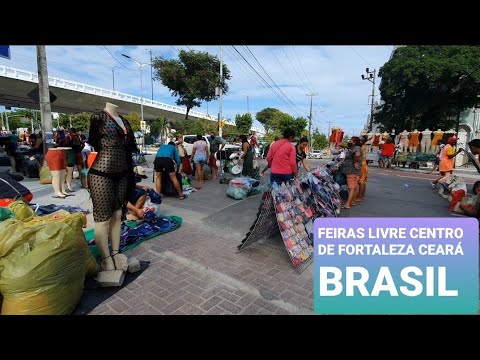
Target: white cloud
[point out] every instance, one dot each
(334, 72)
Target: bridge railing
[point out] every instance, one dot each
(29, 76)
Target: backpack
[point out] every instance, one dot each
(75, 142)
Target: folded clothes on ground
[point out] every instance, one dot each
(51, 208)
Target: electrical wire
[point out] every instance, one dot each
(255, 70)
(288, 58)
(286, 97)
(117, 59)
(301, 66)
(351, 47)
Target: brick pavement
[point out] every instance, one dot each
(196, 270)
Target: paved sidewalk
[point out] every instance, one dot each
(195, 270)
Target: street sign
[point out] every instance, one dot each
(5, 51)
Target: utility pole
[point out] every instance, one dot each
(220, 90)
(151, 70)
(329, 122)
(44, 92)
(371, 77)
(310, 119)
(113, 78)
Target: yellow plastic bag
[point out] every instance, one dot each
(45, 175)
(44, 266)
(21, 210)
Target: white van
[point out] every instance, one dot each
(188, 141)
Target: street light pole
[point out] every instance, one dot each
(248, 106)
(113, 78)
(151, 69)
(371, 77)
(140, 66)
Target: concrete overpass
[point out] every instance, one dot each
(74, 97)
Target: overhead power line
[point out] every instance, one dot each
(261, 66)
(117, 59)
(351, 47)
(301, 66)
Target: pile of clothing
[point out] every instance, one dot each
(454, 189)
(242, 187)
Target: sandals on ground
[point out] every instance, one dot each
(183, 197)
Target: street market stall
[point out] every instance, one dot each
(291, 209)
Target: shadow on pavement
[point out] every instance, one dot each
(94, 294)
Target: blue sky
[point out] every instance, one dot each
(334, 72)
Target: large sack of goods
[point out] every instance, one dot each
(43, 262)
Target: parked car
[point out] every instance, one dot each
(315, 154)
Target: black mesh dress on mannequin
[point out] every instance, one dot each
(111, 174)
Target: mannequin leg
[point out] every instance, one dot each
(101, 241)
(63, 175)
(120, 260)
(57, 183)
(69, 178)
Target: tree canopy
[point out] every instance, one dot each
(424, 86)
(192, 77)
(269, 118)
(275, 121)
(319, 140)
(244, 123)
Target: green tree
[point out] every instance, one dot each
(192, 77)
(80, 121)
(20, 118)
(296, 124)
(269, 118)
(319, 140)
(244, 123)
(134, 120)
(424, 86)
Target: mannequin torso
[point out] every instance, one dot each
(437, 135)
(404, 137)
(111, 109)
(426, 135)
(414, 135)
